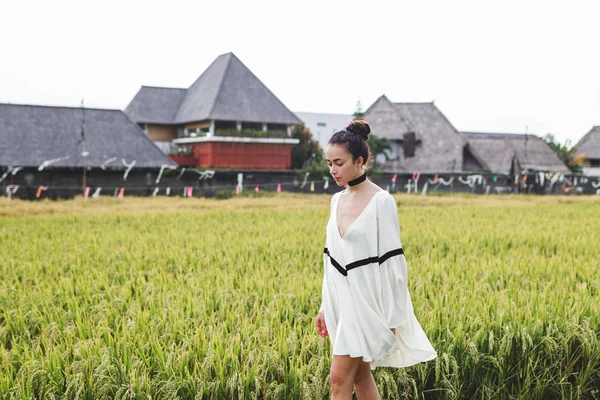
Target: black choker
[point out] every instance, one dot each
(358, 180)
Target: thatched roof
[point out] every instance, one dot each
(30, 135)
(226, 91)
(528, 151)
(157, 105)
(589, 145)
(440, 147)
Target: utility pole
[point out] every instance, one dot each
(84, 152)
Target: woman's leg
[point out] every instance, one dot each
(341, 377)
(364, 384)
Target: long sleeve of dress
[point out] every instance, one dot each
(393, 268)
(396, 302)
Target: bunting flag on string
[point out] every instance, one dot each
(240, 180)
(121, 193)
(256, 189)
(11, 190)
(279, 188)
(415, 178)
(304, 181)
(40, 190)
(312, 186)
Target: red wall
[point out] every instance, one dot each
(239, 155)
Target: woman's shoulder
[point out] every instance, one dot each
(385, 199)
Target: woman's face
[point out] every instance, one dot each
(341, 167)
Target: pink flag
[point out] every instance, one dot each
(279, 188)
(121, 193)
(237, 190)
(256, 189)
(86, 193)
(189, 191)
(39, 191)
(394, 177)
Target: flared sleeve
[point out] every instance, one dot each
(396, 302)
(393, 269)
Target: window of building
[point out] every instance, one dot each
(255, 126)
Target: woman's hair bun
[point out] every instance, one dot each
(359, 127)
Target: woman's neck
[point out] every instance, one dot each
(358, 187)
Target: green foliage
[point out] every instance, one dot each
(308, 154)
(379, 145)
(565, 152)
(358, 111)
(197, 298)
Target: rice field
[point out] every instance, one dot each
(173, 298)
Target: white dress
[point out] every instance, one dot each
(365, 289)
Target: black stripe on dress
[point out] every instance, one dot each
(364, 261)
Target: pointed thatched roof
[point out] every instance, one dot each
(30, 135)
(589, 145)
(440, 147)
(528, 151)
(227, 90)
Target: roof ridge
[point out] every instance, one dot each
(586, 137)
(64, 107)
(163, 87)
(221, 82)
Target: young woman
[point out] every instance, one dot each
(366, 308)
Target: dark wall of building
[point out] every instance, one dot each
(67, 182)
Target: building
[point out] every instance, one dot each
(422, 139)
(323, 126)
(514, 154)
(53, 146)
(226, 119)
(589, 147)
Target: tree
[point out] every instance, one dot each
(565, 152)
(358, 112)
(308, 156)
(379, 145)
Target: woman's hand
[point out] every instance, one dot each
(320, 325)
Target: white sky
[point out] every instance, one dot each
(496, 66)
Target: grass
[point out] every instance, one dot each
(201, 298)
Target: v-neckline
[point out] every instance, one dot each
(337, 204)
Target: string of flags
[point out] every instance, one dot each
(569, 184)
